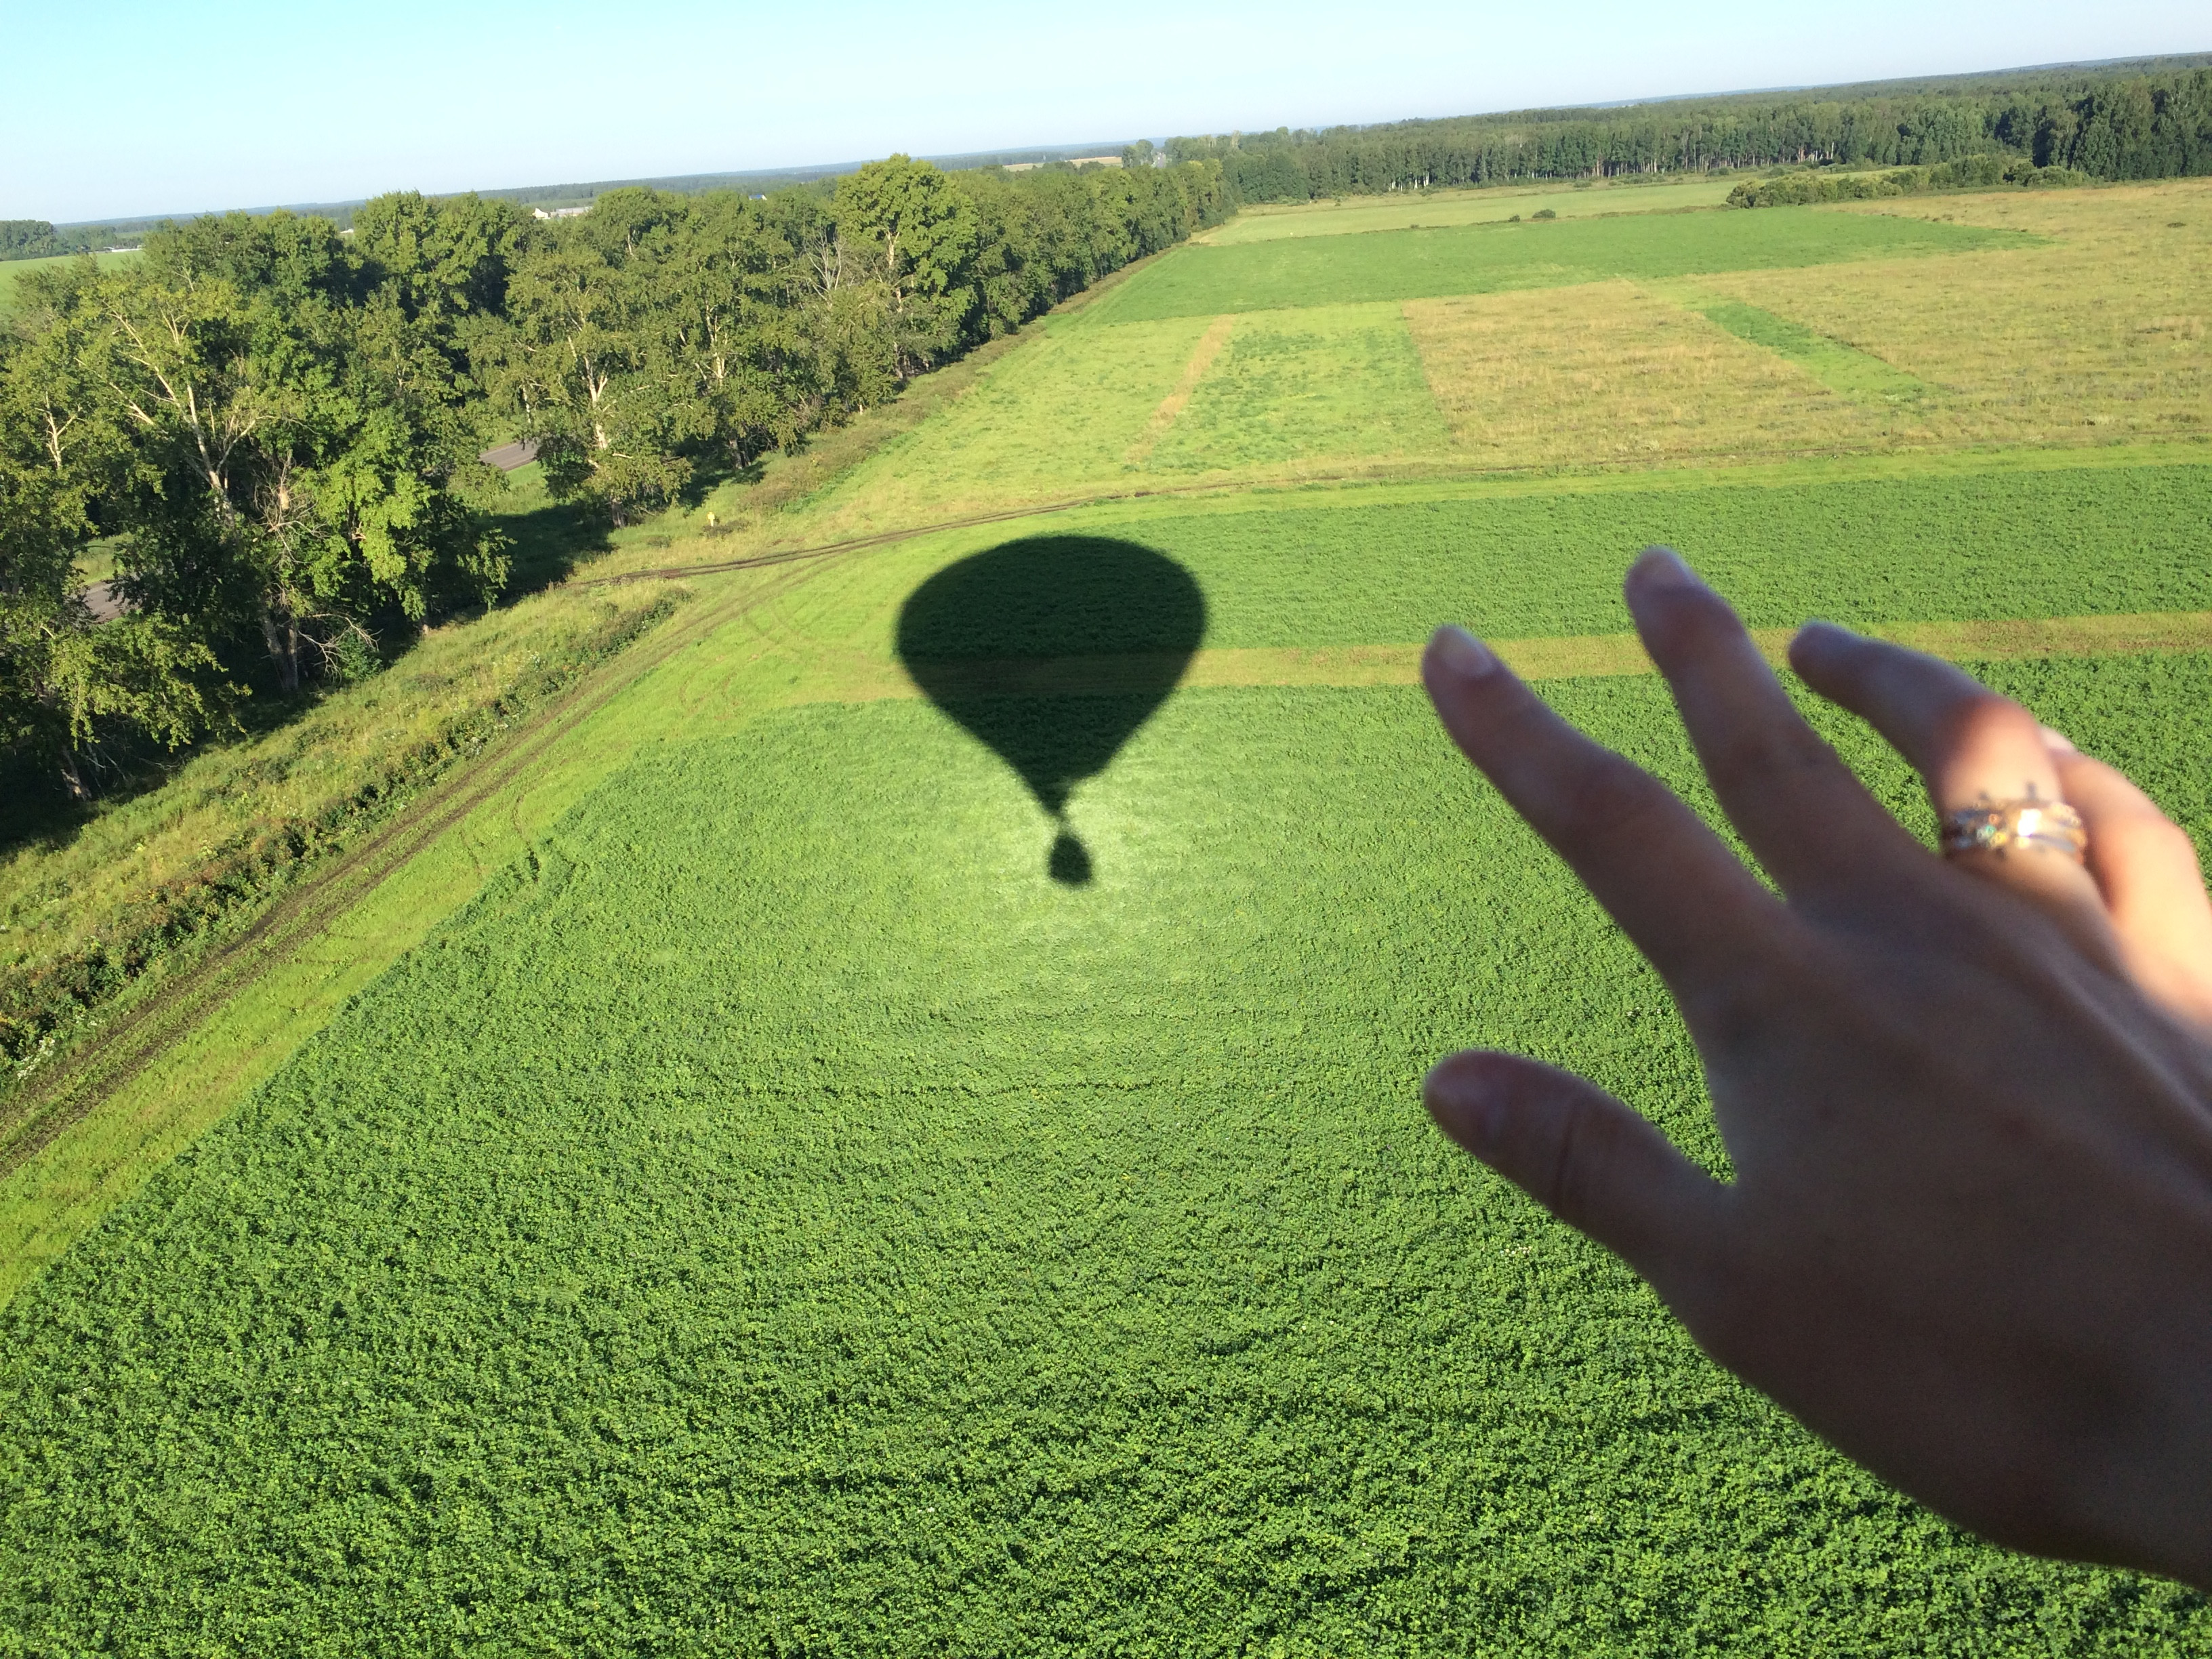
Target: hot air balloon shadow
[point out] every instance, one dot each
(1052, 651)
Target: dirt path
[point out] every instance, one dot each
(138, 1032)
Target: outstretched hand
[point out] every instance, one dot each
(1968, 1102)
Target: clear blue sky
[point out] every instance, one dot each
(120, 108)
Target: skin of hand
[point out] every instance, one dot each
(1968, 1102)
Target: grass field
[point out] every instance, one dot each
(12, 271)
(1431, 209)
(1421, 264)
(742, 1189)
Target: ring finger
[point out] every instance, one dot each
(1972, 749)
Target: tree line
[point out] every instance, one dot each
(1802, 185)
(2107, 126)
(275, 424)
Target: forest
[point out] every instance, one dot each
(274, 425)
(2106, 125)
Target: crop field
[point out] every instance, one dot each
(1409, 209)
(1485, 258)
(898, 1134)
(2081, 326)
(13, 270)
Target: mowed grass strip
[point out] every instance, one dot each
(1434, 208)
(1416, 264)
(1307, 388)
(1838, 367)
(1866, 552)
(1202, 359)
(1569, 657)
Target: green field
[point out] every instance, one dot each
(13, 271)
(749, 1188)
(1485, 258)
(1408, 209)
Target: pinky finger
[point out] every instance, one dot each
(2146, 867)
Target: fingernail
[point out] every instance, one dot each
(1460, 653)
(1662, 566)
(2059, 741)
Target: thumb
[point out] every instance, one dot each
(1580, 1153)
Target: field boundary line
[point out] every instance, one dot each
(1573, 656)
(1209, 347)
(1330, 490)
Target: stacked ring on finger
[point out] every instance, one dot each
(1998, 826)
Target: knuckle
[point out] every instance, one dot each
(1585, 1144)
(1610, 794)
(1977, 718)
(1774, 748)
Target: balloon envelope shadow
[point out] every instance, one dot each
(1052, 651)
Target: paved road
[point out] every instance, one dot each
(508, 457)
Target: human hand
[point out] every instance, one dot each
(1968, 1102)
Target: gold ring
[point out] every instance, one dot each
(1998, 826)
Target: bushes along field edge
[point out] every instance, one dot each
(1806, 186)
(41, 1002)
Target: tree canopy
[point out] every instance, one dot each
(274, 424)
(2107, 124)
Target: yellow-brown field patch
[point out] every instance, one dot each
(1608, 372)
(2097, 334)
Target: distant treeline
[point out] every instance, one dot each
(1801, 185)
(34, 238)
(2107, 126)
(280, 423)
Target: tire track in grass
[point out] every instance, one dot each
(48, 1104)
(1209, 347)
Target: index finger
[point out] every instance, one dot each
(1678, 892)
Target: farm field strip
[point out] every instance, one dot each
(1588, 656)
(695, 1245)
(2101, 330)
(1202, 359)
(181, 1049)
(2085, 327)
(1437, 209)
(1416, 265)
(1351, 493)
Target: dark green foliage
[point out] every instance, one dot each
(2111, 123)
(283, 423)
(661, 333)
(778, 1218)
(1480, 258)
(1803, 185)
(28, 239)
